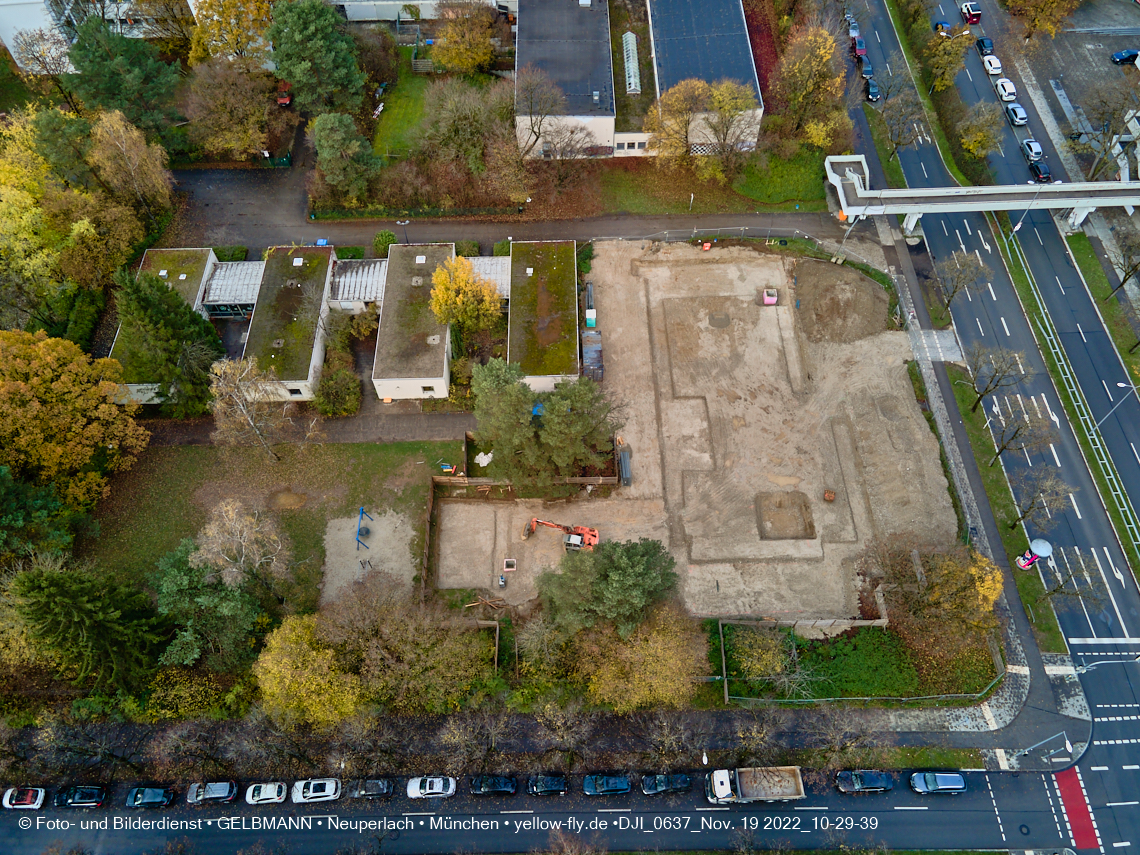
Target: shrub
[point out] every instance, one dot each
(231, 253)
(381, 242)
(364, 325)
(502, 248)
(467, 248)
(585, 258)
(350, 252)
(338, 393)
(74, 314)
(183, 693)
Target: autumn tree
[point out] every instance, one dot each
(656, 665)
(463, 119)
(100, 235)
(229, 108)
(464, 42)
(61, 417)
(168, 23)
(980, 130)
(239, 545)
(242, 404)
(961, 272)
(840, 738)
(381, 241)
(993, 369)
(313, 52)
(960, 589)
(122, 75)
(671, 121)
(538, 102)
(945, 55)
(344, 156)
(299, 679)
(462, 297)
(731, 122)
(1042, 16)
(232, 28)
(1020, 432)
(43, 54)
(1037, 492)
(902, 115)
(809, 77)
(96, 629)
(134, 169)
(761, 653)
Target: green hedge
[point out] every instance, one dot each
(231, 253)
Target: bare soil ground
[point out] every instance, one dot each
(388, 549)
(739, 416)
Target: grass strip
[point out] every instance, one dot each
(891, 166)
(1111, 311)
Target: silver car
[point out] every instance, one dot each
(1016, 114)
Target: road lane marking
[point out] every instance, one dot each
(992, 294)
(1121, 843)
(1075, 508)
(1098, 768)
(1059, 285)
(1001, 826)
(1004, 326)
(1020, 367)
(1082, 332)
(718, 808)
(982, 331)
(923, 165)
(1118, 707)
(1129, 768)
(978, 253)
(912, 808)
(1121, 804)
(944, 229)
(969, 75)
(810, 808)
(1106, 640)
(614, 810)
(1056, 459)
(1106, 390)
(966, 223)
(516, 811)
(961, 246)
(1116, 718)
(1038, 236)
(424, 813)
(1116, 741)
(880, 41)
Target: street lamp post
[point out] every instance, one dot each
(1084, 669)
(404, 223)
(1068, 746)
(1118, 403)
(963, 33)
(1021, 219)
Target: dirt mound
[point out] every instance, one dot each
(838, 304)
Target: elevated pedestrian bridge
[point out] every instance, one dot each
(849, 175)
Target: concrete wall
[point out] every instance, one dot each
(412, 388)
(602, 128)
(626, 144)
(547, 382)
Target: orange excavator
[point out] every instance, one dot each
(574, 538)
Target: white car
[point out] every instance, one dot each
(32, 798)
(1006, 91)
(316, 790)
(431, 788)
(992, 65)
(265, 794)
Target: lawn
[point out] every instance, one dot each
(1110, 309)
(167, 495)
(793, 184)
(403, 109)
(184, 269)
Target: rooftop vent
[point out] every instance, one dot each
(417, 281)
(597, 98)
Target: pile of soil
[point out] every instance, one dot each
(837, 303)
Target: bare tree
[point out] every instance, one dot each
(472, 741)
(244, 414)
(1107, 108)
(1125, 257)
(840, 737)
(537, 101)
(134, 168)
(240, 544)
(901, 114)
(756, 736)
(43, 54)
(191, 748)
(566, 729)
(992, 369)
(961, 272)
(66, 745)
(363, 745)
(1020, 432)
(671, 738)
(566, 843)
(168, 22)
(568, 142)
(1037, 492)
(1086, 584)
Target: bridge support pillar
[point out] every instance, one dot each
(909, 222)
(1078, 216)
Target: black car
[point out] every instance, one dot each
(546, 785)
(493, 785)
(606, 785)
(1039, 169)
(370, 788)
(1126, 57)
(865, 68)
(985, 46)
(149, 797)
(873, 93)
(80, 796)
(863, 781)
(655, 785)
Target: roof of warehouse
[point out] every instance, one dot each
(571, 43)
(706, 40)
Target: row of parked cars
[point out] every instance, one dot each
(331, 789)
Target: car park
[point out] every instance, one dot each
(926, 783)
(1016, 115)
(1005, 89)
(991, 64)
(370, 788)
(24, 798)
(80, 796)
(1031, 150)
(546, 785)
(606, 785)
(858, 47)
(149, 797)
(865, 68)
(493, 785)
(863, 781)
(872, 88)
(1040, 171)
(985, 46)
(435, 787)
(971, 12)
(1126, 57)
(316, 790)
(216, 792)
(270, 793)
(656, 785)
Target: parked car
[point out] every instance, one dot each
(493, 785)
(1126, 57)
(872, 88)
(942, 28)
(1040, 171)
(546, 785)
(431, 788)
(1031, 150)
(1005, 89)
(216, 792)
(852, 28)
(271, 793)
(971, 12)
(863, 781)
(858, 47)
(937, 782)
(1016, 115)
(606, 785)
(24, 798)
(316, 790)
(656, 785)
(985, 46)
(80, 796)
(370, 788)
(992, 65)
(865, 68)
(284, 95)
(149, 797)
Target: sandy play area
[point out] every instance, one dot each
(389, 550)
(740, 417)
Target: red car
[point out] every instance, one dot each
(971, 13)
(858, 47)
(284, 96)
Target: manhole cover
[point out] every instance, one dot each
(718, 320)
(278, 342)
(1024, 829)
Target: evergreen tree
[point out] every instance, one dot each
(95, 629)
(344, 156)
(32, 518)
(179, 345)
(312, 51)
(503, 416)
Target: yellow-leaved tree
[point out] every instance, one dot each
(462, 297)
(671, 122)
(300, 683)
(232, 28)
(810, 77)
